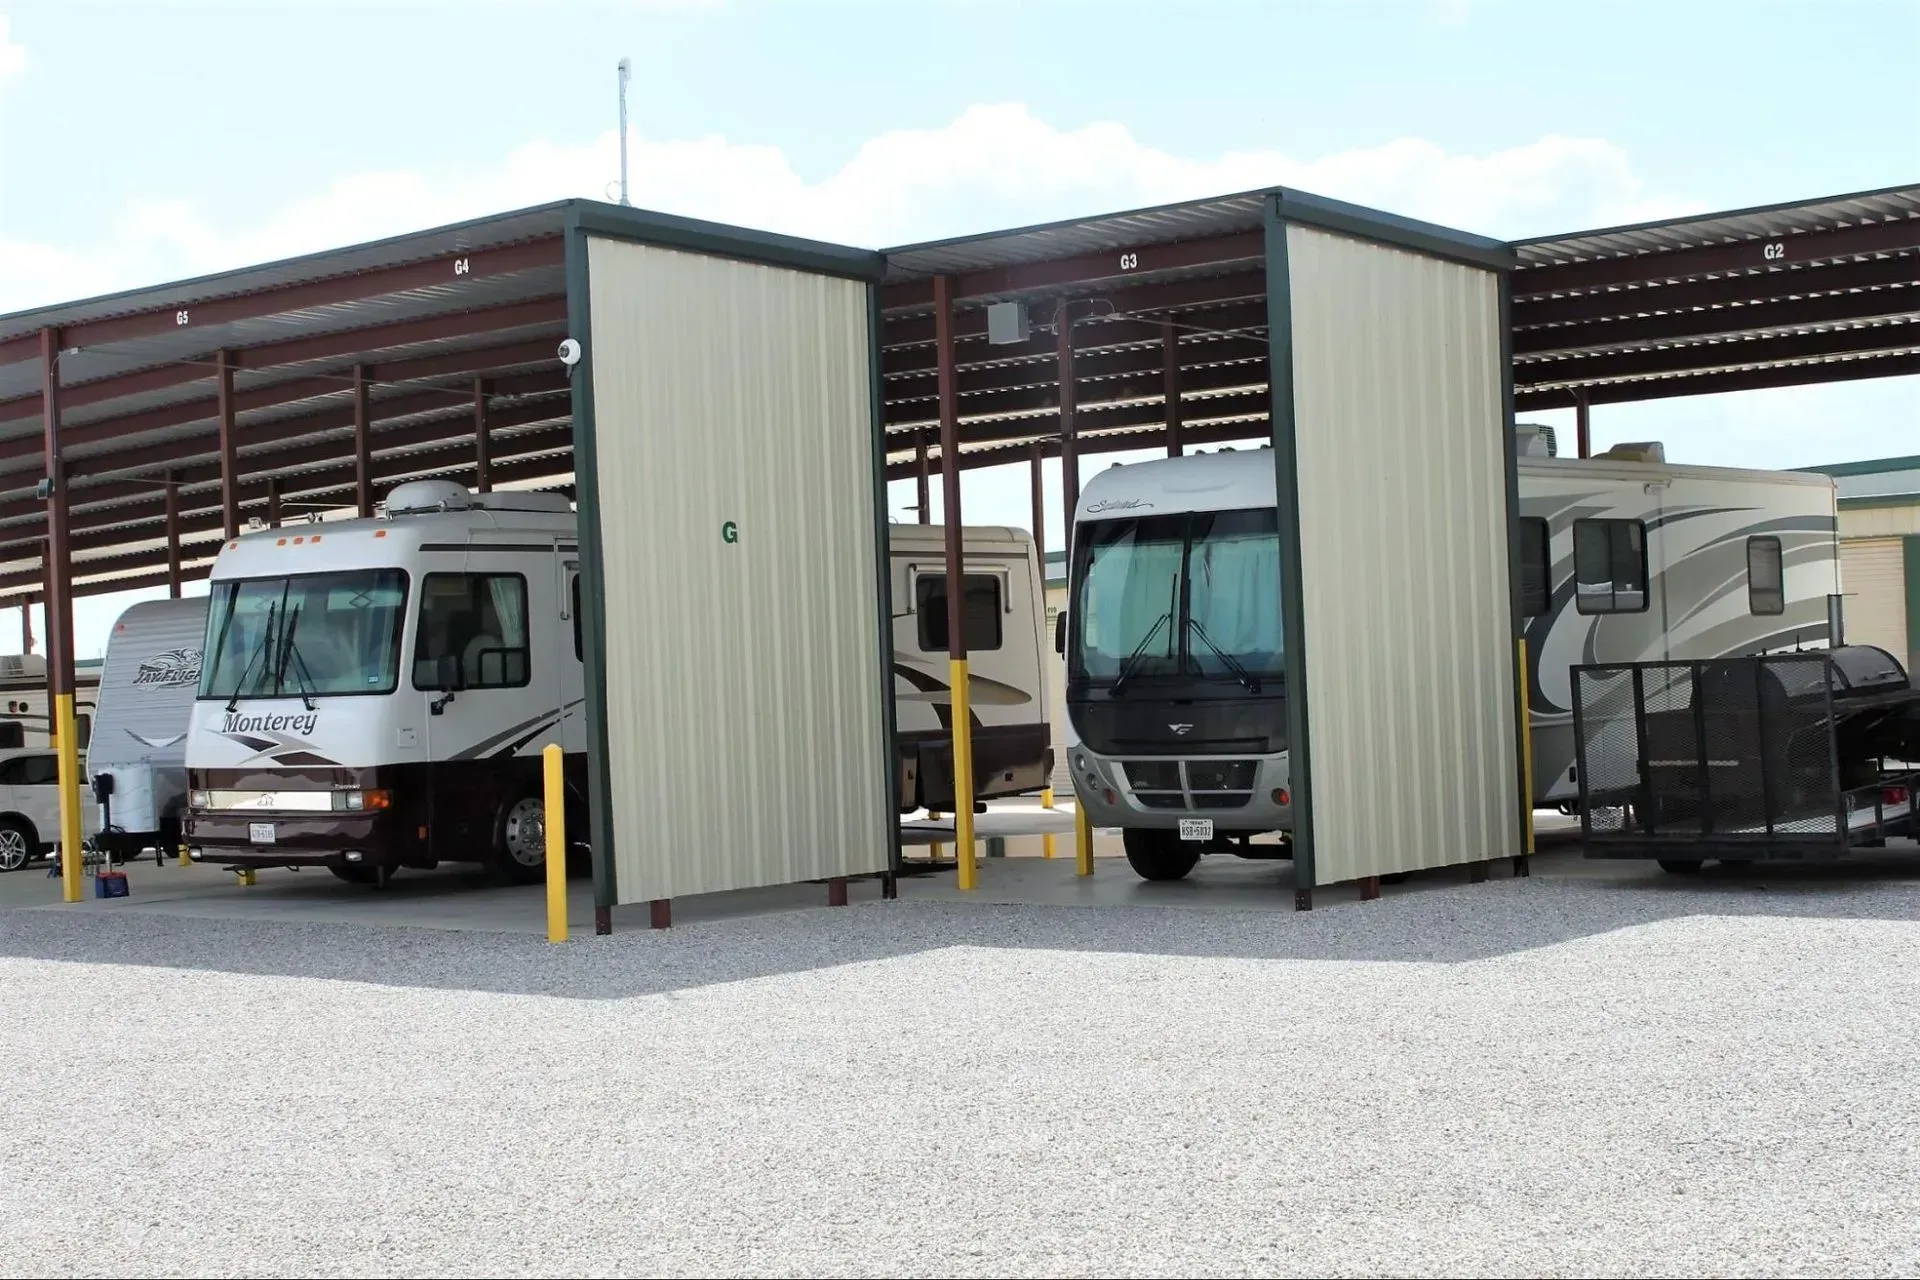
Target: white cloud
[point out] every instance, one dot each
(13, 56)
(992, 166)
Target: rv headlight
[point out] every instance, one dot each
(361, 801)
(345, 801)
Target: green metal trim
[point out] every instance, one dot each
(1391, 230)
(1510, 463)
(883, 566)
(593, 600)
(1287, 510)
(1872, 467)
(1910, 550)
(1879, 501)
(721, 241)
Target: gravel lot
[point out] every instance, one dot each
(1523, 1077)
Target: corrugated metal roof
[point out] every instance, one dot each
(1720, 228)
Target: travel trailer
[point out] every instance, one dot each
(23, 700)
(375, 694)
(136, 762)
(1622, 559)
(1005, 619)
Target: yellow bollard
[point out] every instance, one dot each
(185, 861)
(68, 755)
(1082, 840)
(1526, 744)
(247, 877)
(1046, 838)
(933, 847)
(555, 815)
(963, 775)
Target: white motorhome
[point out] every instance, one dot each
(148, 682)
(1176, 682)
(24, 721)
(375, 693)
(1005, 620)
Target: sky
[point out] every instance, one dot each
(144, 142)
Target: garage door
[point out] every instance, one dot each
(1873, 575)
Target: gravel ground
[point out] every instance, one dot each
(1519, 1078)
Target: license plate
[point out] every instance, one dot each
(262, 832)
(1196, 828)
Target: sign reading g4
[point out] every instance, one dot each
(729, 532)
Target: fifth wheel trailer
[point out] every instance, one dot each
(1176, 679)
(375, 693)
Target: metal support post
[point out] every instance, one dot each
(229, 448)
(173, 535)
(1520, 865)
(273, 502)
(1582, 426)
(362, 440)
(1069, 447)
(923, 479)
(951, 518)
(1170, 383)
(1046, 838)
(1082, 840)
(1040, 515)
(59, 585)
(660, 913)
(554, 813)
(482, 447)
(837, 891)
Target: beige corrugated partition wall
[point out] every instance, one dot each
(1397, 397)
(734, 435)
(1873, 574)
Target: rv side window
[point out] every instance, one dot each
(578, 654)
(1766, 581)
(479, 618)
(1536, 569)
(981, 611)
(1610, 566)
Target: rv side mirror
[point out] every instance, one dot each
(452, 674)
(1060, 633)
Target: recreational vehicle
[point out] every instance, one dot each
(24, 721)
(375, 693)
(136, 762)
(1176, 682)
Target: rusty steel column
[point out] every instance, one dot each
(1069, 449)
(362, 441)
(229, 450)
(273, 502)
(173, 535)
(61, 723)
(26, 626)
(951, 516)
(1170, 383)
(926, 488)
(482, 447)
(1582, 426)
(1039, 511)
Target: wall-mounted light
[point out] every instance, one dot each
(44, 489)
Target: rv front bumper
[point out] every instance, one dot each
(292, 839)
(1241, 795)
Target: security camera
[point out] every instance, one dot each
(569, 352)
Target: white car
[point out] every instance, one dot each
(30, 805)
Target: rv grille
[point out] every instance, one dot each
(1191, 784)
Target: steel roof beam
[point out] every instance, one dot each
(1092, 394)
(1680, 326)
(355, 286)
(1753, 286)
(1755, 254)
(1018, 452)
(345, 344)
(970, 325)
(1239, 249)
(1110, 362)
(1096, 418)
(1090, 334)
(1708, 357)
(1883, 366)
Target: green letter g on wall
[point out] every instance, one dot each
(729, 532)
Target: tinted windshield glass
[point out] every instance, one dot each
(321, 634)
(1216, 572)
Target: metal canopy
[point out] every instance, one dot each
(1163, 306)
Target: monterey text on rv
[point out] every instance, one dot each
(375, 693)
(1176, 674)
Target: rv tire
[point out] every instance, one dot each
(1680, 866)
(520, 840)
(1158, 855)
(354, 872)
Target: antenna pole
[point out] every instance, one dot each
(626, 73)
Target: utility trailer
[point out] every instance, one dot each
(1784, 756)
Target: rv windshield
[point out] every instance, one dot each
(1217, 573)
(348, 640)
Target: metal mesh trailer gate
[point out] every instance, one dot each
(1793, 755)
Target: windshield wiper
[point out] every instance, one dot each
(287, 650)
(1133, 661)
(1227, 660)
(262, 649)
